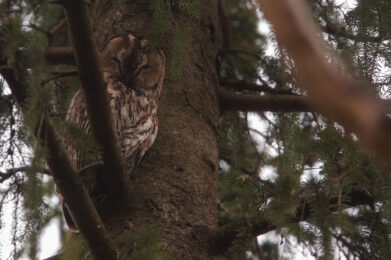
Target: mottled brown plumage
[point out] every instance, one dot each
(133, 73)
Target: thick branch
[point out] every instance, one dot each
(59, 55)
(97, 99)
(242, 85)
(67, 179)
(336, 94)
(256, 103)
(77, 199)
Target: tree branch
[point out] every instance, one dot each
(97, 99)
(340, 31)
(66, 178)
(330, 28)
(223, 238)
(11, 172)
(59, 55)
(241, 85)
(225, 24)
(335, 92)
(75, 195)
(256, 103)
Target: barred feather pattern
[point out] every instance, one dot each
(135, 117)
(133, 73)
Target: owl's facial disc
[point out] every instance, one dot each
(134, 62)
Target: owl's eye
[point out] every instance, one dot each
(146, 66)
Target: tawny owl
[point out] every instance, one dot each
(133, 72)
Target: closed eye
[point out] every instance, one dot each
(146, 66)
(115, 59)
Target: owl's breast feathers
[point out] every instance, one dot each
(133, 73)
(135, 118)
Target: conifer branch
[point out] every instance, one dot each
(338, 95)
(257, 103)
(11, 172)
(66, 178)
(97, 99)
(242, 85)
(274, 103)
(223, 238)
(330, 28)
(334, 29)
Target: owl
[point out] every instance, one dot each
(133, 72)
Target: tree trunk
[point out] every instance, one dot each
(175, 188)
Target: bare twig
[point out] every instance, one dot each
(51, 35)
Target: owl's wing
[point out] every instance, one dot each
(82, 151)
(80, 145)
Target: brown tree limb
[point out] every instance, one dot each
(59, 55)
(97, 99)
(66, 178)
(257, 103)
(75, 195)
(242, 85)
(337, 93)
(51, 35)
(58, 74)
(274, 103)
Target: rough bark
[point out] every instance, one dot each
(175, 188)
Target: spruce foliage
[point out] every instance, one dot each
(327, 193)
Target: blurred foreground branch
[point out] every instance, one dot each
(97, 98)
(335, 90)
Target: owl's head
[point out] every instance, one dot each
(135, 63)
